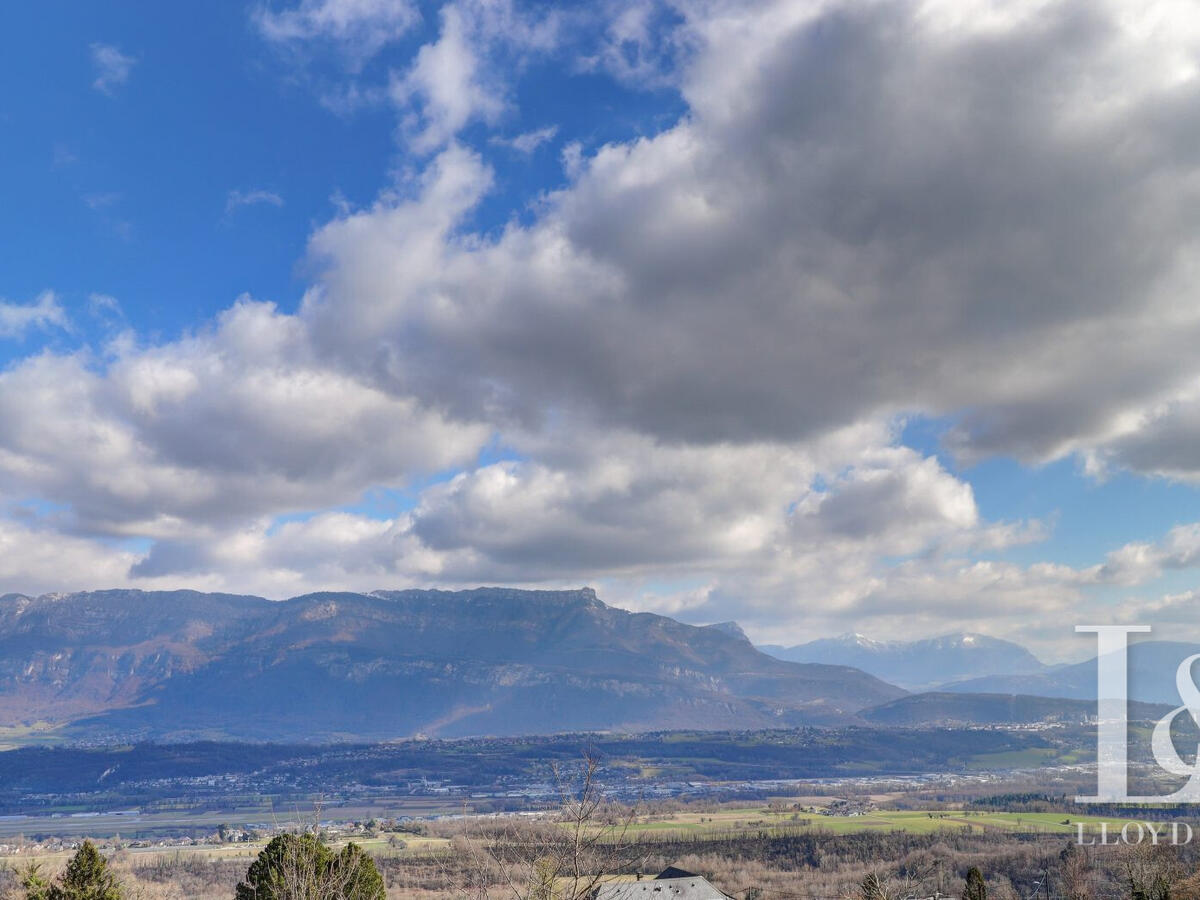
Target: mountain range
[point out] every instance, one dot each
(1152, 668)
(180, 665)
(183, 665)
(982, 667)
(922, 665)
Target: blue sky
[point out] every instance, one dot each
(127, 191)
(789, 313)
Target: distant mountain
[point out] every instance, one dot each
(941, 708)
(1152, 666)
(185, 665)
(917, 665)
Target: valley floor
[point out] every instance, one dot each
(792, 846)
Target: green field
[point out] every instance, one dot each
(917, 821)
(727, 821)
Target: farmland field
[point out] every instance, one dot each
(751, 819)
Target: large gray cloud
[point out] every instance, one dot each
(866, 210)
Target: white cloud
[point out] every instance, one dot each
(45, 312)
(615, 508)
(105, 306)
(112, 67)
(463, 76)
(236, 199)
(227, 425)
(527, 142)
(39, 560)
(642, 44)
(458, 79)
(1139, 562)
(446, 84)
(358, 28)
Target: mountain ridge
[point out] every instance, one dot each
(386, 664)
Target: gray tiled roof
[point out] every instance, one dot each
(693, 888)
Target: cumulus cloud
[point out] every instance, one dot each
(865, 211)
(445, 81)
(38, 560)
(45, 312)
(359, 29)
(182, 438)
(620, 506)
(868, 210)
(458, 79)
(613, 518)
(1141, 561)
(112, 67)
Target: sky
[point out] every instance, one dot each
(818, 315)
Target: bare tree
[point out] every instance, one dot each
(872, 887)
(565, 856)
(911, 881)
(1150, 871)
(1078, 877)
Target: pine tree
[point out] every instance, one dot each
(290, 867)
(976, 889)
(356, 875)
(87, 877)
(35, 884)
(302, 867)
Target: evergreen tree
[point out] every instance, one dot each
(290, 867)
(301, 867)
(356, 875)
(35, 884)
(87, 877)
(976, 889)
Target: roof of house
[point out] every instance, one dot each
(671, 884)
